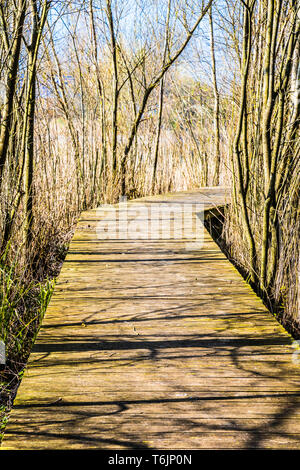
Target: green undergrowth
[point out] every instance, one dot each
(27, 280)
(22, 308)
(23, 303)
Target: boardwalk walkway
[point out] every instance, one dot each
(156, 344)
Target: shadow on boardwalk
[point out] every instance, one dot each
(149, 345)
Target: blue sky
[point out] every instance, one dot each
(135, 25)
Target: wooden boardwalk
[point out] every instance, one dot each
(156, 344)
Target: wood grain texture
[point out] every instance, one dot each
(156, 344)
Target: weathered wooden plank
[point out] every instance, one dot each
(156, 343)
